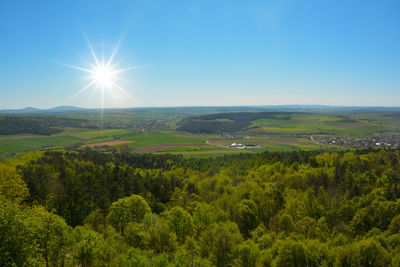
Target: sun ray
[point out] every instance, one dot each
(124, 69)
(115, 50)
(122, 90)
(91, 50)
(103, 74)
(78, 68)
(83, 89)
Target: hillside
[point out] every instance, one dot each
(292, 123)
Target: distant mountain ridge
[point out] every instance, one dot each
(29, 110)
(215, 109)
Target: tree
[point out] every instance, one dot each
(247, 217)
(181, 223)
(347, 255)
(51, 233)
(126, 210)
(286, 223)
(246, 254)
(372, 254)
(17, 244)
(87, 247)
(11, 184)
(135, 257)
(291, 253)
(217, 242)
(394, 226)
(188, 254)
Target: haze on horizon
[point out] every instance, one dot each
(203, 53)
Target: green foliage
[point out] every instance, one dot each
(291, 253)
(17, 246)
(51, 234)
(12, 186)
(247, 216)
(128, 209)
(271, 209)
(181, 223)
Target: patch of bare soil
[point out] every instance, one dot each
(21, 137)
(223, 143)
(353, 125)
(110, 143)
(161, 147)
(285, 141)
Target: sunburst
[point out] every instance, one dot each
(102, 74)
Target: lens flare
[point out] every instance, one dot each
(103, 75)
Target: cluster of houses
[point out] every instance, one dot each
(383, 141)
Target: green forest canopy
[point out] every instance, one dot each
(270, 209)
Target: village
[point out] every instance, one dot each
(392, 141)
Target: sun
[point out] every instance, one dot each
(104, 76)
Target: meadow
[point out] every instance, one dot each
(24, 144)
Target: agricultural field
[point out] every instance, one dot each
(193, 132)
(260, 123)
(10, 146)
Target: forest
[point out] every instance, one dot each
(39, 124)
(84, 208)
(227, 122)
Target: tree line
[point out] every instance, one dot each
(41, 125)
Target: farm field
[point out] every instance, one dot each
(99, 133)
(20, 145)
(177, 131)
(259, 123)
(22, 142)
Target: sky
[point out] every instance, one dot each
(201, 53)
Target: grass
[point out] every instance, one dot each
(100, 133)
(20, 145)
(324, 124)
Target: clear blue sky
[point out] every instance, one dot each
(203, 52)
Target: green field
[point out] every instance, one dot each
(94, 134)
(67, 137)
(259, 123)
(321, 124)
(157, 130)
(20, 145)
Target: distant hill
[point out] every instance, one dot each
(30, 110)
(64, 109)
(19, 111)
(226, 122)
(354, 122)
(187, 111)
